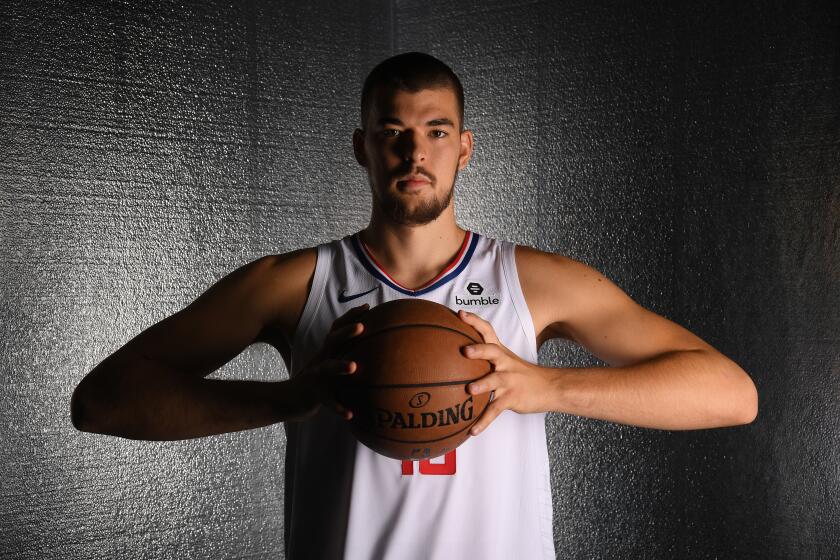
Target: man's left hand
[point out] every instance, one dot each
(519, 385)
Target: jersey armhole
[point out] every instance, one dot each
(511, 274)
(313, 301)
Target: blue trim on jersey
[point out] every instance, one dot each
(360, 253)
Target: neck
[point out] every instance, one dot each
(413, 255)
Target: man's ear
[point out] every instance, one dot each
(466, 149)
(359, 146)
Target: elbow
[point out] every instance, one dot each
(79, 410)
(738, 395)
(95, 399)
(87, 410)
(753, 408)
(748, 409)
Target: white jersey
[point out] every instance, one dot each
(490, 498)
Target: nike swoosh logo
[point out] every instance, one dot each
(342, 298)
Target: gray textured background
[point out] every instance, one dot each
(690, 152)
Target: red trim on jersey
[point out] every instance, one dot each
(442, 273)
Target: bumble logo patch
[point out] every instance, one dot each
(476, 294)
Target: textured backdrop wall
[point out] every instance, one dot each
(688, 152)
(148, 149)
(691, 152)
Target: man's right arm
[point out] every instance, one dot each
(155, 386)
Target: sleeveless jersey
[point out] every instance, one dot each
(490, 498)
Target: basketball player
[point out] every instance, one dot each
(491, 497)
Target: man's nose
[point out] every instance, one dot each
(413, 147)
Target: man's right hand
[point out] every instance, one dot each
(314, 383)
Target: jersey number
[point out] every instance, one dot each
(427, 467)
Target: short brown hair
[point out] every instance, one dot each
(411, 71)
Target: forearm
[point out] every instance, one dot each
(681, 390)
(149, 401)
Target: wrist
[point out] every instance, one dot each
(559, 393)
(295, 399)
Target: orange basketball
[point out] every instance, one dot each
(409, 391)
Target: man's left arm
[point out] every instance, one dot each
(660, 376)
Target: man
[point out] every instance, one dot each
(491, 497)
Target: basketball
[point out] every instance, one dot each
(409, 391)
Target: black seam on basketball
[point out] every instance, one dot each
(409, 385)
(467, 427)
(367, 335)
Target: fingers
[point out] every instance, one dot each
(338, 337)
(327, 373)
(484, 328)
(490, 413)
(343, 329)
(345, 413)
(351, 315)
(335, 366)
(490, 352)
(488, 383)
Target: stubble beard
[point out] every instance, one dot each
(399, 212)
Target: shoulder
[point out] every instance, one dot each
(534, 260)
(295, 262)
(273, 290)
(551, 284)
(541, 269)
(529, 257)
(284, 281)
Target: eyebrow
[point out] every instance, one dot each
(434, 122)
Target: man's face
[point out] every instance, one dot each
(412, 148)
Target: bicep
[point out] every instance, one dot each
(228, 317)
(599, 316)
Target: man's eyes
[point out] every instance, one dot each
(393, 133)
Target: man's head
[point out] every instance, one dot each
(412, 140)
(411, 71)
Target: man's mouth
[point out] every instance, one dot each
(414, 181)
